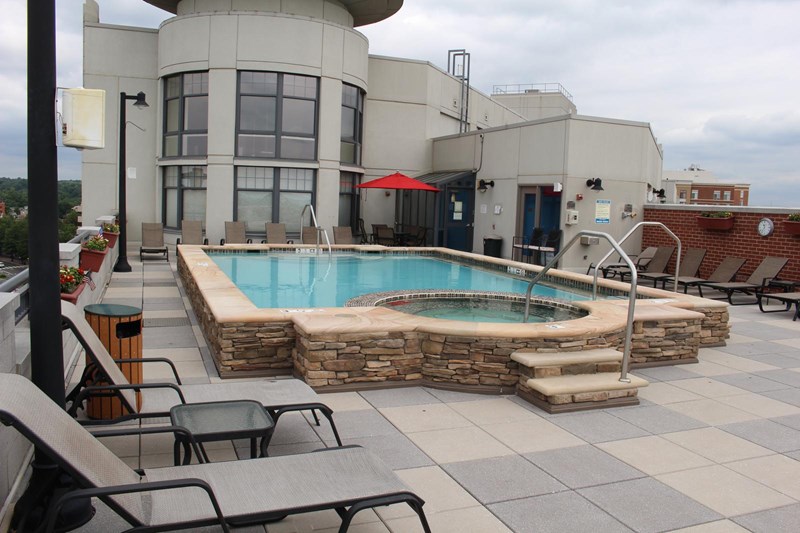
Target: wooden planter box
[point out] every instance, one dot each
(791, 227)
(92, 259)
(111, 237)
(72, 297)
(722, 224)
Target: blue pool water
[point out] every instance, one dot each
(299, 280)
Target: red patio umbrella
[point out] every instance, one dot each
(397, 181)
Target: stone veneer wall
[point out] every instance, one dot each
(263, 347)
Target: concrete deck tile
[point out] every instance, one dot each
(654, 455)
(293, 428)
(281, 449)
(496, 411)
(454, 396)
(133, 302)
(163, 304)
(717, 445)
(664, 373)
(663, 393)
(161, 292)
(646, 505)
(345, 401)
(130, 293)
(459, 444)
(781, 360)
(532, 435)
(751, 382)
(760, 405)
(397, 451)
(173, 354)
(323, 520)
(458, 521)
(708, 387)
(742, 364)
(555, 513)
(186, 370)
(583, 466)
(786, 377)
(355, 424)
(780, 520)
(792, 421)
(175, 313)
(413, 418)
(707, 369)
(775, 471)
(169, 337)
(502, 478)
(657, 419)
(757, 330)
(711, 412)
(754, 348)
(432, 484)
(720, 526)
(767, 433)
(725, 491)
(399, 397)
(735, 338)
(598, 426)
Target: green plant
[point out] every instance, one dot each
(96, 243)
(70, 278)
(716, 214)
(794, 217)
(110, 228)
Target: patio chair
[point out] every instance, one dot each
(418, 237)
(522, 250)
(375, 231)
(153, 240)
(192, 232)
(235, 233)
(640, 261)
(657, 264)
(552, 245)
(232, 493)
(278, 396)
(768, 270)
(276, 233)
(342, 235)
(309, 235)
(366, 238)
(724, 272)
(689, 267)
(385, 236)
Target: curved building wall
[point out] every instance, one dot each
(308, 42)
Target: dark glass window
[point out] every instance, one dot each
(348, 199)
(273, 195)
(186, 115)
(352, 124)
(277, 116)
(184, 194)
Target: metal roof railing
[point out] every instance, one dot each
(532, 88)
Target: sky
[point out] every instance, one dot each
(717, 80)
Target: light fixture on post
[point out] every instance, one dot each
(596, 184)
(483, 185)
(139, 101)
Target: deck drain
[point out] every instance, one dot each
(166, 322)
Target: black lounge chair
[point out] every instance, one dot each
(234, 493)
(657, 264)
(278, 396)
(787, 298)
(640, 261)
(689, 267)
(724, 272)
(768, 270)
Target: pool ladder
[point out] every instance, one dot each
(320, 230)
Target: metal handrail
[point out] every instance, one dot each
(319, 228)
(624, 238)
(626, 349)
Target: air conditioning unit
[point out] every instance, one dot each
(83, 118)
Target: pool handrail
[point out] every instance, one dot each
(319, 228)
(626, 350)
(624, 237)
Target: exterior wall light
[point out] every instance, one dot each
(483, 185)
(596, 184)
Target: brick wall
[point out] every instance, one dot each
(741, 241)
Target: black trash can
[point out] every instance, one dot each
(492, 245)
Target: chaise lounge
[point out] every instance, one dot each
(768, 270)
(233, 493)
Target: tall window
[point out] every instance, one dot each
(348, 199)
(694, 194)
(186, 115)
(716, 195)
(272, 195)
(184, 194)
(726, 195)
(277, 116)
(352, 123)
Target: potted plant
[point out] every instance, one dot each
(792, 224)
(110, 233)
(93, 252)
(72, 281)
(715, 220)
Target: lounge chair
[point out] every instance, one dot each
(657, 264)
(276, 233)
(725, 271)
(640, 261)
(520, 250)
(278, 396)
(788, 298)
(309, 235)
(235, 233)
(342, 235)
(417, 237)
(232, 493)
(689, 267)
(385, 236)
(192, 232)
(768, 270)
(153, 240)
(375, 228)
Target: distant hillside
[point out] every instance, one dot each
(14, 192)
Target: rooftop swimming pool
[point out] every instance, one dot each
(279, 280)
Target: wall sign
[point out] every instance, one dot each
(602, 212)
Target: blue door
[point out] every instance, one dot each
(459, 218)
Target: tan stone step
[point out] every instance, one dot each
(575, 384)
(534, 359)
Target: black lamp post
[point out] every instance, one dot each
(122, 261)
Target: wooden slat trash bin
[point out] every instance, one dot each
(119, 328)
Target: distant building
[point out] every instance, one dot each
(695, 185)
